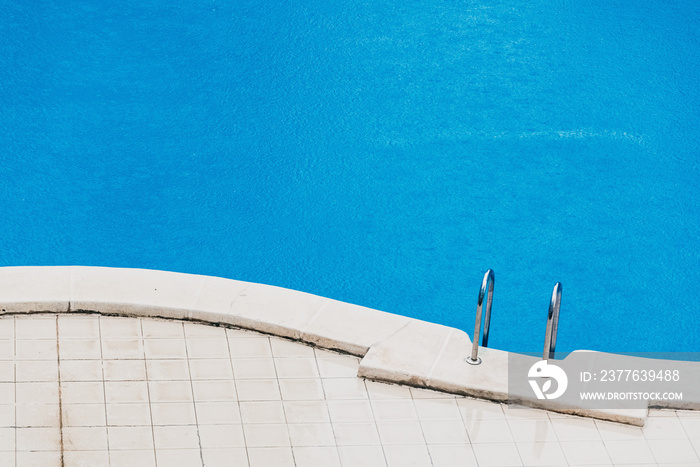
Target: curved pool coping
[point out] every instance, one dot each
(393, 348)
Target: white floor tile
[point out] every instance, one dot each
(179, 457)
(266, 435)
(175, 437)
(394, 410)
(7, 416)
(472, 409)
(7, 439)
(258, 390)
(344, 388)
(124, 370)
(86, 458)
(161, 329)
(575, 429)
(167, 370)
(7, 369)
(532, 431)
(207, 348)
(618, 431)
(541, 454)
(407, 456)
(444, 432)
(80, 349)
(132, 392)
(585, 452)
(195, 330)
(248, 347)
(262, 412)
(85, 415)
(81, 370)
(173, 413)
(311, 434)
(126, 414)
(39, 393)
(254, 368)
(85, 438)
(35, 327)
(437, 409)
(300, 367)
(122, 349)
(131, 458)
(286, 348)
(452, 455)
(168, 391)
(356, 434)
(226, 457)
(39, 371)
(267, 457)
(78, 327)
(488, 431)
(629, 451)
(36, 350)
(347, 411)
(497, 455)
(211, 369)
(82, 392)
(307, 411)
(301, 389)
(37, 415)
(305, 456)
(38, 439)
(361, 456)
(217, 413)
(691, 425)
(138, 438)
(112, 327)
(664, 428)
(673, 451)
(336, 366)
(400, 433)
(159, 349)
(377, 390)
(39, 458)
(221, 436)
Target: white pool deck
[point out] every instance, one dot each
(91, 389)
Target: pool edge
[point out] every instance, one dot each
(393, 348)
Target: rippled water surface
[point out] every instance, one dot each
(384, 153)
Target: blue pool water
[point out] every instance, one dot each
(384, 153)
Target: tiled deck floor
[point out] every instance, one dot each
(91, 390)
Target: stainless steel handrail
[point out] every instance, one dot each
(550, 337)
(489, 280)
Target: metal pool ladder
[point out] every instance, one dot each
(489, 279)
(550, 337)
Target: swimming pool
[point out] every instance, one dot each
(379, 153)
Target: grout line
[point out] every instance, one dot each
(279, 388)
(687, 436)
(148, 392)
(235, 388)
(14, 367)
(194, 403)
(60, 399)
(328, 410)
(374, 419)
(104, 383)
